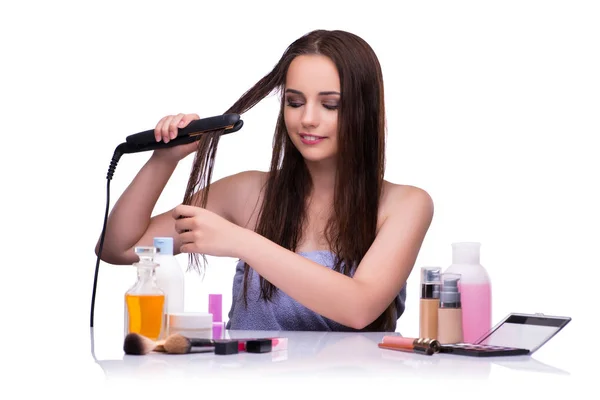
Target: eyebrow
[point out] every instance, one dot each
(330, 92)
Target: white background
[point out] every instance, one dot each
(492, 107)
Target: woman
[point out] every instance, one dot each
(324, 242)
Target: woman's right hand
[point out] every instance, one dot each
(166, 130)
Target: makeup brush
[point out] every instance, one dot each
(179, 344)
(139, 345)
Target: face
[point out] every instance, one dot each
(312, 99)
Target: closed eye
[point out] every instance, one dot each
(297, 104)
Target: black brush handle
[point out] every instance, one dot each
(196, 342)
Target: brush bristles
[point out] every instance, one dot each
(177, 344)
(160, 347)
(138, 345)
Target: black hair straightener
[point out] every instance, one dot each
(145, 141)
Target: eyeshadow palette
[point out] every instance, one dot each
(517, 334)
(481, 350)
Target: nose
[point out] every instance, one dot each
(310, 115)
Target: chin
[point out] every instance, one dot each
(317, 156)
(318, 153)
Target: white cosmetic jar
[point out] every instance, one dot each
(191, 325)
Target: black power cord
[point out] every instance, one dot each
(119, 151)
(144, 141)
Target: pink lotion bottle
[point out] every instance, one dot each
(475, 289)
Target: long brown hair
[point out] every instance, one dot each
(352, 226)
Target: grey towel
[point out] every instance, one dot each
(283, 312)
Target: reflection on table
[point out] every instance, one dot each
(308, 354)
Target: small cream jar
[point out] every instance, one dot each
(191, 325)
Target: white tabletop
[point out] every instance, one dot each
(324, 355)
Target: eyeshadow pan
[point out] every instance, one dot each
(479, 350)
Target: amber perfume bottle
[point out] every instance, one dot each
(145, 301)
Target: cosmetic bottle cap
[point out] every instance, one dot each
(430, 282)
(466, 252)
(146, 255)
(450, 294)
(164, 245)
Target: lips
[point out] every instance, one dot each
(310, 139)
(307, 136)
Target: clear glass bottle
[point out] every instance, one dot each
(145, 302)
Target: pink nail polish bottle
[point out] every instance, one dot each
(215, 307)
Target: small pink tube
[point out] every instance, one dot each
(404, 342)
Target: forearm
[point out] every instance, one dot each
(324, 291)
(131, 214)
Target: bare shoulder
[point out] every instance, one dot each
(247, 178)
(398, 192)
(247, 183)
(236, 185)
(245, 190)
(406, 199)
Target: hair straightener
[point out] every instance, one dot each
(145, 141)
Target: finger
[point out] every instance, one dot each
(186, 119)
(188, 248)
(188, 238)
(166, 137)
(174, 124)
(159, 127)
(184, 224)
(163, 125)
(184, 211)
(188, 243)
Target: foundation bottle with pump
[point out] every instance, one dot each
(430, 302)
(450, 329)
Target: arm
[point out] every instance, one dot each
(357, 301)
(130, 222)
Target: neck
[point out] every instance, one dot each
(323, 176)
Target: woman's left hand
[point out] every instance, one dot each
(204, 232)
